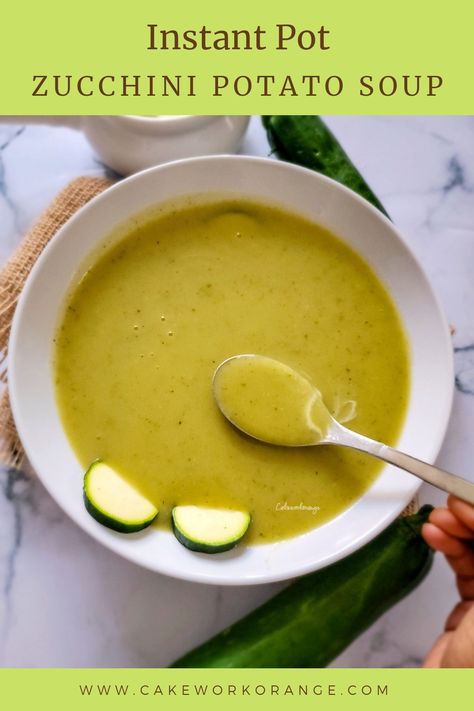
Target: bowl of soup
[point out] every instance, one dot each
(138, 298)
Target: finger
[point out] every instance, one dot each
(457, 614)
(459, 651)
(435, 655)
(463, 565)
(463, 511)
(465, 587)
(443, 542)
(450, 524)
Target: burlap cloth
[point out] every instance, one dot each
(12, 278)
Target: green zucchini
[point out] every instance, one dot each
(314, 619)
(208, 530)
(114, 502)
(307, 141)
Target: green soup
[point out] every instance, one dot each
(147, 324)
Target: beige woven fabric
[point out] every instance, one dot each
(12, 278)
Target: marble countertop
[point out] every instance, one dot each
(65, 601)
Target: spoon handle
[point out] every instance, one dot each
(451, 483)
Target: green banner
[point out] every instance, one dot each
(354, 689)
(336, 56)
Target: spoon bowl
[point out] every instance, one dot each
(269, 401)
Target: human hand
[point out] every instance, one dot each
(451, 531)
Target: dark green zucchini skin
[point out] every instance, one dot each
(314, 619)
(199, 547)
(307, 141)
(113, 523)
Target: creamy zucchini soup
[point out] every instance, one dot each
(147, 324)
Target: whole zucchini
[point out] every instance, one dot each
(307, 141)
(314, 619)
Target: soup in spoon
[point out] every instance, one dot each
(270, 401)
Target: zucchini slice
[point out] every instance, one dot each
(114, 502)
(208, 530)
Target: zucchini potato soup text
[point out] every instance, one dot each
(147, 324)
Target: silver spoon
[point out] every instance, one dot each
(335, 433)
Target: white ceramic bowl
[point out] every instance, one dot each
(305, 192)
(131, 143)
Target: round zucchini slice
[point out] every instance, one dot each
(114, 502)
(208, 530)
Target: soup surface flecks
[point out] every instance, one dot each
(146, 326)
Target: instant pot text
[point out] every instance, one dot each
(315, 42)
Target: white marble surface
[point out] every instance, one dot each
(67, 602)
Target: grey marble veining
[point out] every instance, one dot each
(64, 599)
